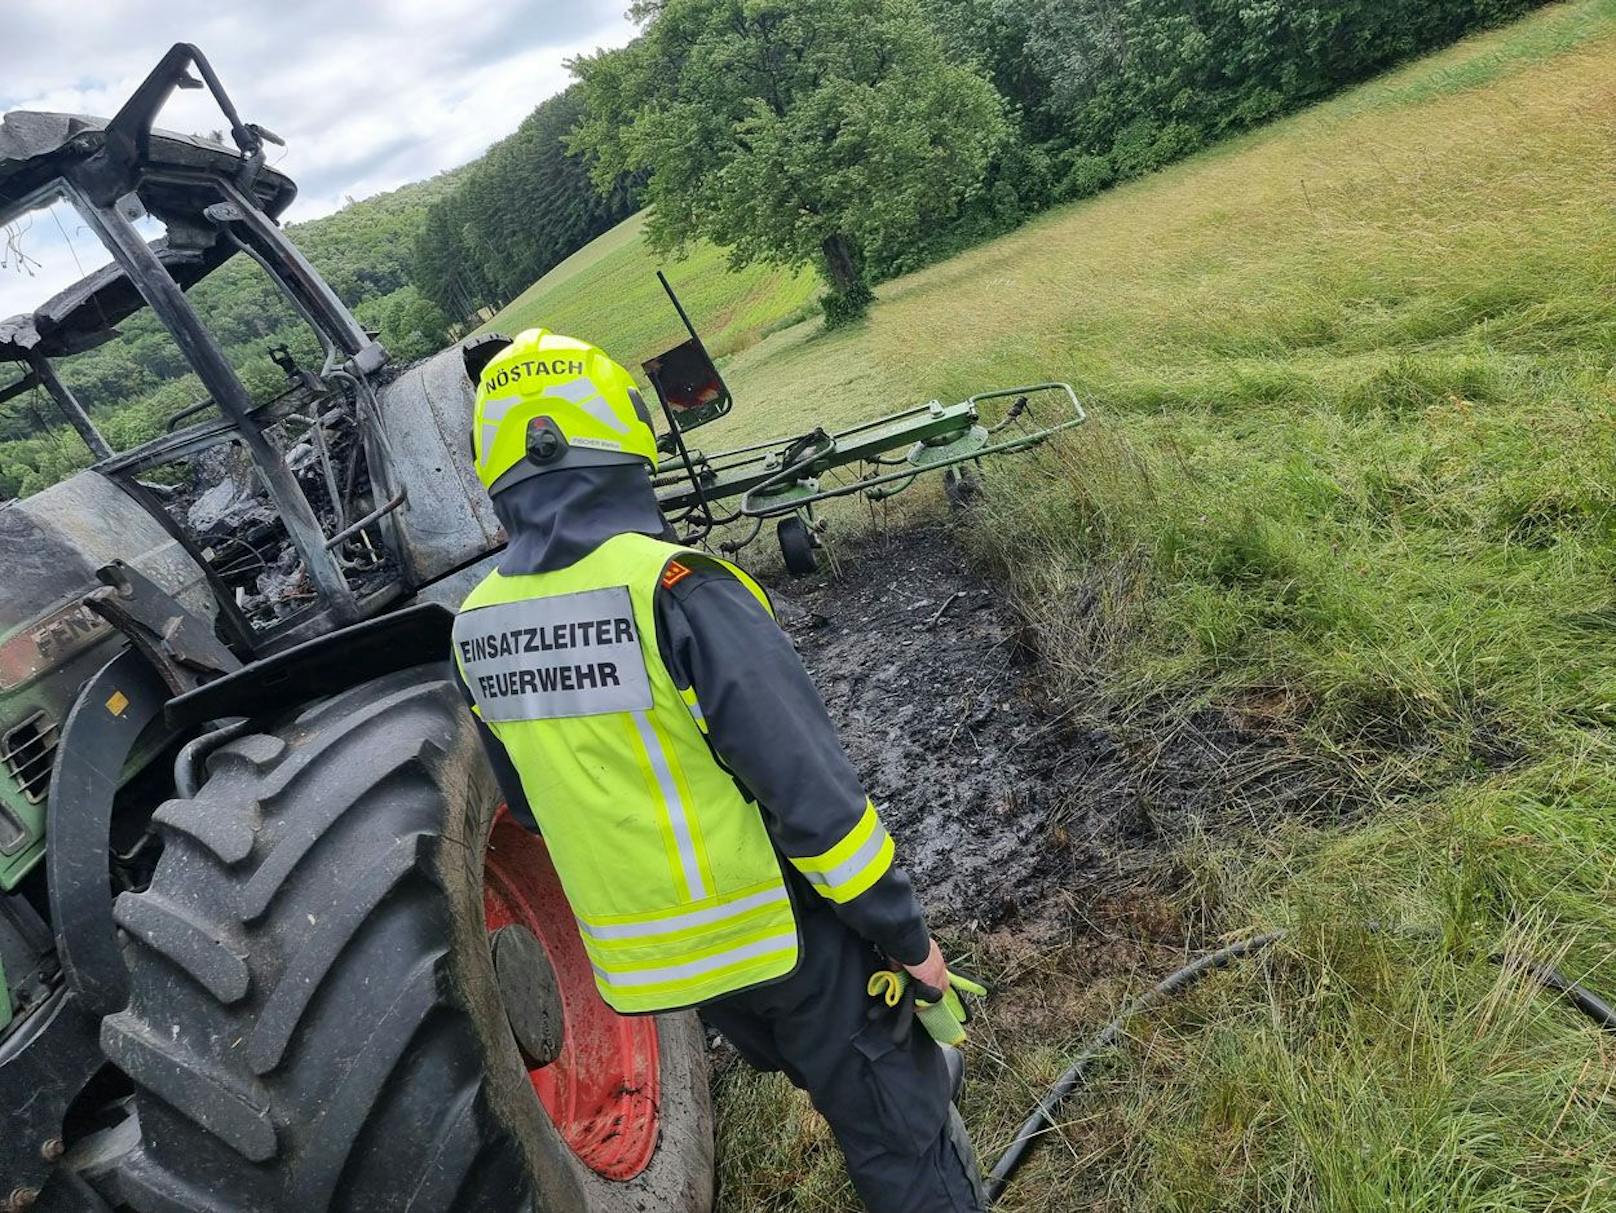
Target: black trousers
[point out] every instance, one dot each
(886, 1101)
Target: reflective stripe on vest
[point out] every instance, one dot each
(701, 978)
(675, 884)
(688, 694)
(673, 804)
(692, 955)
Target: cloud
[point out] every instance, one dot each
(368, 94)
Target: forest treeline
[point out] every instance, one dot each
(527, 205)
(873, 154)
(1084, 93)
(863, 137)
(1105, 90)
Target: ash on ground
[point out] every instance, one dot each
(1008, 806)
(927, 673)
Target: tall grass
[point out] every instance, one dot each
(1371, 483)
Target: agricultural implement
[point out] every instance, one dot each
(786, 478)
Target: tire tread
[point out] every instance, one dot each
(234, 1112)
(278, 856)
(200, 948)
(297, 1031)
(322, 949)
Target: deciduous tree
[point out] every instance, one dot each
(832, 132)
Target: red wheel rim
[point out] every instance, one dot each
(602, 1092)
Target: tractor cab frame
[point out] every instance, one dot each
(214, 201)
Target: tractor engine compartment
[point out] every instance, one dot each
(213, 494)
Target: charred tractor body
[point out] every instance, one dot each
(266, 939)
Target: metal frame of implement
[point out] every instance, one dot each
(783, 477)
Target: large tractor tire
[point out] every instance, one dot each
(315, 1020)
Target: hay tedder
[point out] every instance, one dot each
(785, 478)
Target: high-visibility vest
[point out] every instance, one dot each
(676, 886)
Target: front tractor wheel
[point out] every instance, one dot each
(356, 985)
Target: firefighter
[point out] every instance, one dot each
(647, 716)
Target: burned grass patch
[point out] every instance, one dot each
(1044, 841)
(1013, 806)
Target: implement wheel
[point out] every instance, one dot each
(316, 1018)
(797, 547)
(962, 486)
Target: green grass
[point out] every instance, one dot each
(608, 293)
(1351, 483)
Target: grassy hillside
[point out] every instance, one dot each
(1351, 489)
(608, 293)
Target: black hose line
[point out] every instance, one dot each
(1174, 983)
(1581, 997)
(1033, 1128)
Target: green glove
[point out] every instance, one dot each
(944, 1019)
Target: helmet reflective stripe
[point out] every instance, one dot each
(489, 414)
(584, 394)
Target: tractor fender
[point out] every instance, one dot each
(318, 668)
(112, 713)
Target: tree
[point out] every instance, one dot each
(520, 210)
(411, 325)
(992, 34)
(828, 132)
(1136, 83)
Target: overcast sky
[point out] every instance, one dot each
(368, 94)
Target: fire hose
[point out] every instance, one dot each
(1184, 979)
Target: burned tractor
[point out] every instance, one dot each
(267, 940)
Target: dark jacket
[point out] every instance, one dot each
(766, 722)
